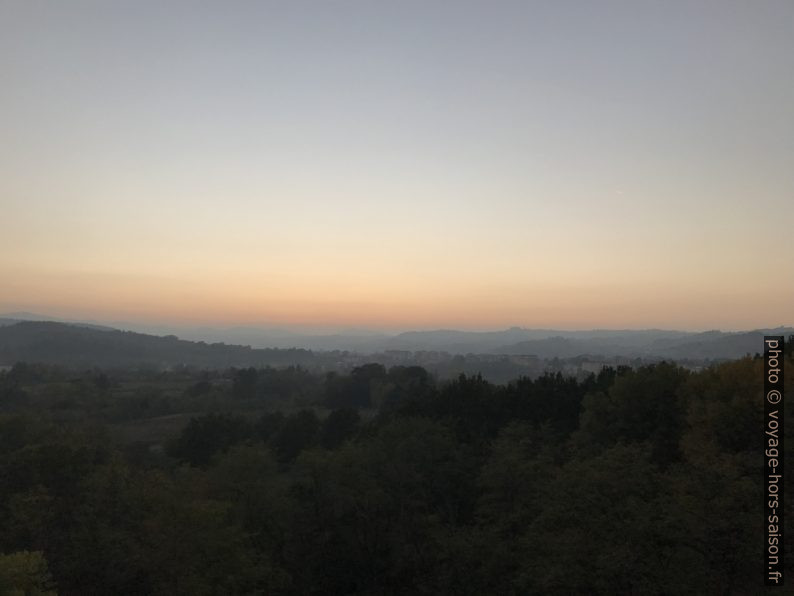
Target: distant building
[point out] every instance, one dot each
(592, 367)
(524, 360)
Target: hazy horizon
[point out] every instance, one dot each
(420, 165)
(309, 330)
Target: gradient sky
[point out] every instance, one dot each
(399, 165)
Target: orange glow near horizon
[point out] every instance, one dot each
(325, 302)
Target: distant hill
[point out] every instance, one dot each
(358, 340)
(541, 342)
(716, 344)
(711, 345)
(283, 338)
(20, 317)
(88, 346)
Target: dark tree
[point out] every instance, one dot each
(299, 431)
(207, 435)
(339, 426)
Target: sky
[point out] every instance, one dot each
(399, 165)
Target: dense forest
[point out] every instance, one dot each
(382, 481)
